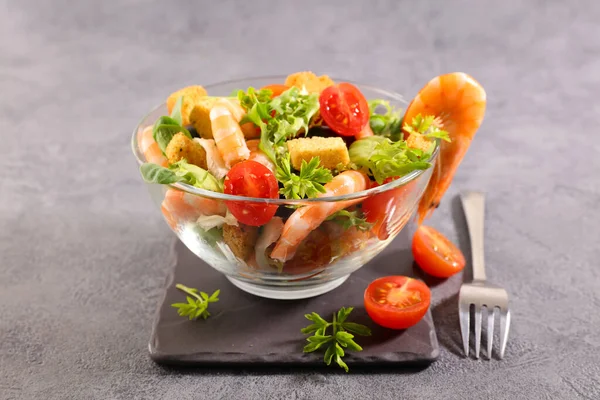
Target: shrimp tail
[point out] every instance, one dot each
(458, 102)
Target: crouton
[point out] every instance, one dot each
(332, 151)
(181, 147)
(310, 81)
(200, 116)
(418, 141)
(240, 239)
(191, 96)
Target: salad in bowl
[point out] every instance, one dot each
(289, 184)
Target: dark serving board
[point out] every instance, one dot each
(245, 329)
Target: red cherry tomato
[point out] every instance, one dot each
(435, 254)
(251, 179)
(384, 210)
(276, 88)
(397, 302)
(344, 109)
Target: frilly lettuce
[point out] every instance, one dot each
(382, 158)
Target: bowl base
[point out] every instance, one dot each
(287, 293)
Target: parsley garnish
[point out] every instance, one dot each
(308, 183)
(197, 303)
(338, 340)
(428, 127)
(348, 219)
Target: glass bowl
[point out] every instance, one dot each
(329, 254)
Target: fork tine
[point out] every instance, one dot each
(504, 327)
(463, 312)
(490, 331)
(477, 329)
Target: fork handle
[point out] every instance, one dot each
(474, 207)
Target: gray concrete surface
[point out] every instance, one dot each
(83, 251)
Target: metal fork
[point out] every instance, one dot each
(480, 293)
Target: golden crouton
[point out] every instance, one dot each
(191, 96)
(200, 116)
(332, 151)
(310, 81)
(418, 141)
(181, 147)
(240, 239)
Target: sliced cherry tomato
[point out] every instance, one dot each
(251, 179)
(386, 210)
(344, 109)
(435, 254)
(397, 302)
(276, 88)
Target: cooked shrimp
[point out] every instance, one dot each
(179, 207)
(214, 161)
(150, 148)
(307, 218)
(227, 134)
(458, 101)
(256, 154)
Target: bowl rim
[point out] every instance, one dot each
(228, 197)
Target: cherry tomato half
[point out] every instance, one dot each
(384, 210)
(397, 302)
(276, 88)
(252, 179)
(435, 254)
(344, 109)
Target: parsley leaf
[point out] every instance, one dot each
(387, 124)
(308, 183)
(383, 158)
(427, 126)
(197, 303)
(338, 340)
(348, 219)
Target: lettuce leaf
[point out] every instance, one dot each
(181, 171)
(383, 158)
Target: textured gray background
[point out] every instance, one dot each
(83, 250)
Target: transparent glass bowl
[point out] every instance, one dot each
(326, 257)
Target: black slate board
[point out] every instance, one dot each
(245, 329)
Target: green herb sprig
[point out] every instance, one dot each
(427, 127)
(308, 183)
(197, 303)
(341, 337)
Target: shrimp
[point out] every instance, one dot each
(214, 161)
(458, 101)
(228, 136)
(307, 218)
(249, 130)
(179, 206)
(256, 154)
(150, 148)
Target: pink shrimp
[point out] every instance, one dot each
(249, 130)
(179, 207)
(228, 136)
(256, 154)
(307, 218)
(150, 148)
